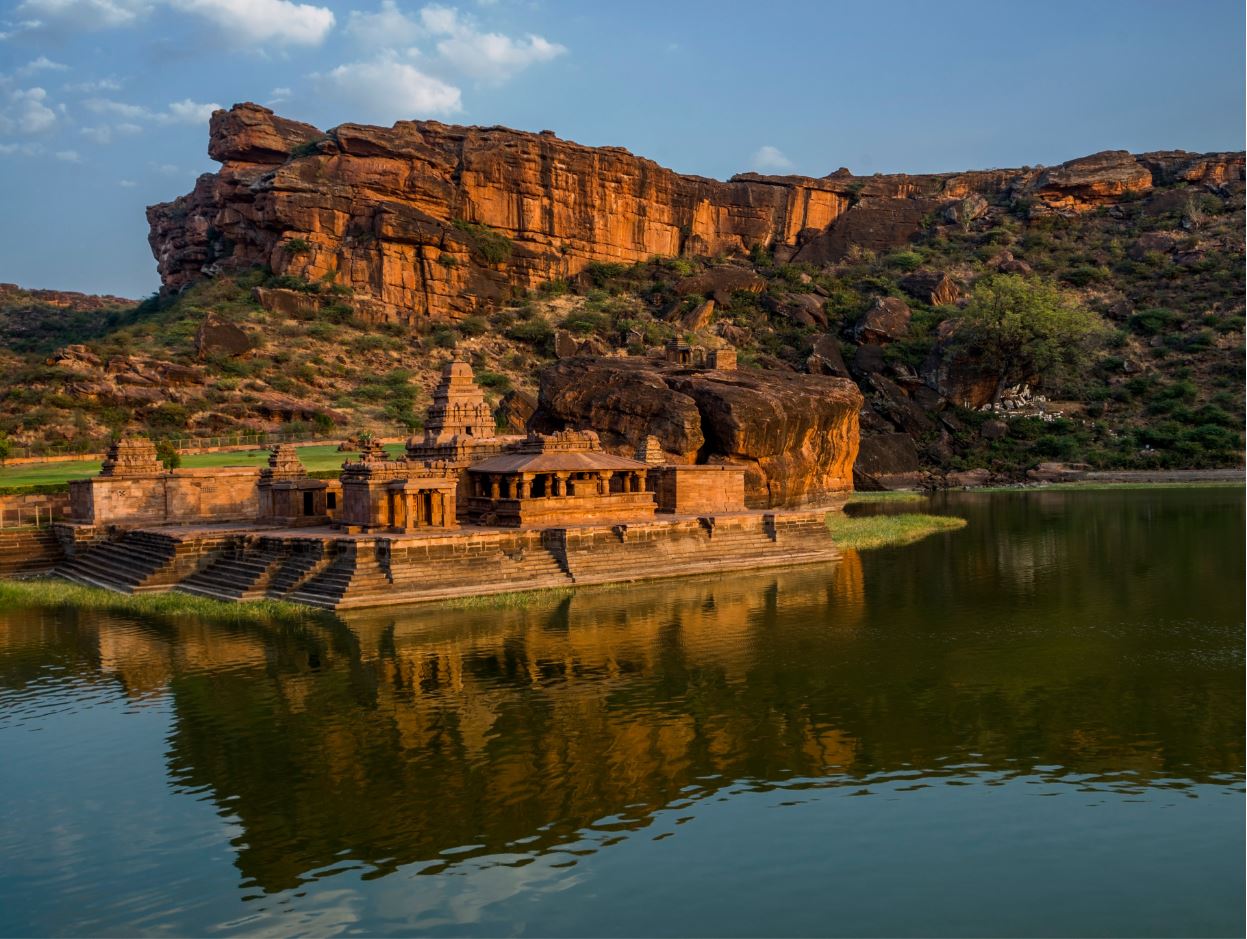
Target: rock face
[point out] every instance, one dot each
(424, 219)
(796, 434)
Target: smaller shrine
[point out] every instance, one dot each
(287, 495)
(380, 494)
(132, 456)
(558, 479)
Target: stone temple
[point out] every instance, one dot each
(462, 511)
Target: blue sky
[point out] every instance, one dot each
(104, 103)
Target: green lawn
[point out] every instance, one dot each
(315, 457)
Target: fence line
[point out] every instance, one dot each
(23, 517)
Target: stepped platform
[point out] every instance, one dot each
(326, 568)
(32, 550)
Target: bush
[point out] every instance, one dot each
(904, 260)
(290, 282)
(443, 337)
(1085, 274)
(494, 380)
(534, 332)
(1151, 321)
(168, 455)
(600, 273)
(585, 321)
(473, 326)
(492, 247)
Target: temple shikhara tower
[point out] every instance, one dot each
(459, 408)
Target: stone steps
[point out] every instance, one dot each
(243, 573)
(296, 570)
(29, 550)
(139, 561)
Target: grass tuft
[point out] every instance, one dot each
(900, 495)
(885, 531)
(59, 594)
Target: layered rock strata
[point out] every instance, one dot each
(425, 219)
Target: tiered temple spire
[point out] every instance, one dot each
(459, 407)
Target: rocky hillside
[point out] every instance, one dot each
(320, 279)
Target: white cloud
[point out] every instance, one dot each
(41, 64)
(83, 14)
(104, 133)
(95, 86)
(25, 112)
(388, 28)
(387, 89)
(133, 112)
(126, 183)
(166, 169)
(279, 95)
(770, 158)
(491, 57)
(260, 21)
(68, 156)
(248, 22)
(187, 111)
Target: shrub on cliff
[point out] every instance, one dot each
(493, 247)
(1017, 328)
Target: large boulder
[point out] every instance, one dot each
(795, 434)
(216, 337)
(933, 287)
(952, 370)
(886, 321)
(719, 283)
(887, 461)
(826, 358)
(514, 411)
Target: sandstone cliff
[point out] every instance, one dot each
(429, 220)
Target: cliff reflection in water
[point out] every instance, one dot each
(1080, 648)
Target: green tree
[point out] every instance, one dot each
(168, 454)
(1021, 328)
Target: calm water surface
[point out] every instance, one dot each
(1033, 726)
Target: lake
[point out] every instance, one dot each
(1032, 726)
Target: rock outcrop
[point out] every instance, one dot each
(424, 219)
(797, 434)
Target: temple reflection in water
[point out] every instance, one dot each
(398, 736)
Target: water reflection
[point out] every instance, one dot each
(1085, 645)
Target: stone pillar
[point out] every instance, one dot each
(640, 480)
(563, 488)
(494, 489)
(554, 484)
(521, 487)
